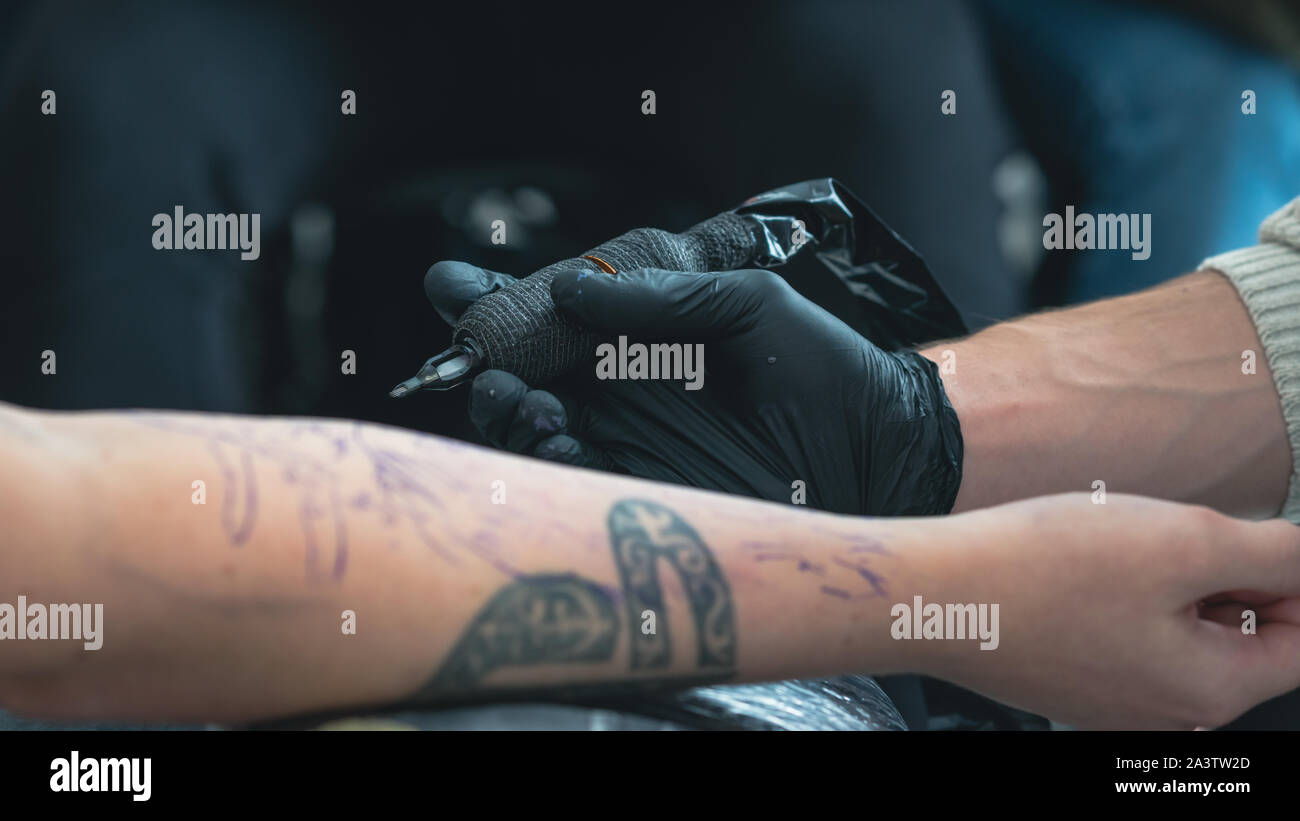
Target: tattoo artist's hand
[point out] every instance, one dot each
(1126, 614)
(791, 394)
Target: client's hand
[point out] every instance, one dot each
(1127, 614)
(793, 401)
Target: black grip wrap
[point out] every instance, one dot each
(518, 329)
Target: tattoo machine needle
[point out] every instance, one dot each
(446, 370)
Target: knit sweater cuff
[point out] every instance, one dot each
(1267, 276)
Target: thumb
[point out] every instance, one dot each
(453, 286)
(650, 302)
(1263, 562)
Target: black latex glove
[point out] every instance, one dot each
(790, 394)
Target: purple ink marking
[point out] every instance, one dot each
(877, 583)
(870, 546)
(238, 529)
(309, 538)
(250, 500)
(433, 544)
(340, 538)
(484, 544)
(806, 566)
(405, 485)
(837, 592)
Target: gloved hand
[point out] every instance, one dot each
(790, 395)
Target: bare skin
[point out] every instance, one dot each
(1144, 392)
(231, 610)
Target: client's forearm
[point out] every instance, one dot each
(233, 554)
(1145, 393)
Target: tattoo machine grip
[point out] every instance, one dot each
(518, 328)
(898, 302)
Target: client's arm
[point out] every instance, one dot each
(470, 572)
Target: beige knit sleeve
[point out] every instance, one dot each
(1268, 278)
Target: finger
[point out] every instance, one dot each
(493, 401)
(580, 417)
(1265, 558)
(453, 286)
(1275, 650)
(1227, 613)
(1246, 596)
(1285, 610)
(569, 451)
(665, 304)
(538, 416)
(1236, 670)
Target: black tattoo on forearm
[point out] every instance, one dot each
(641, 533)
(535, 620)
(540, 620)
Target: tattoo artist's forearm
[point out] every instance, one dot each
(1145, 393)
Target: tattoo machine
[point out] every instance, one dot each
(518, 328)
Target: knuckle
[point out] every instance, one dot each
(763, 288)
(1202, 532)
(765, 283)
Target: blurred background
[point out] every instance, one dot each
(468, 113)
